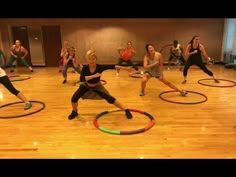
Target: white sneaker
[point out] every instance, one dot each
(141, 94)
(28, 105)
(117, 74)
(183, 92)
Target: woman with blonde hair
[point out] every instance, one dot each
(91, 88)
(64, 50)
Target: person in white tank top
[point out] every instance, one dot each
(176, 52)
(153, 65)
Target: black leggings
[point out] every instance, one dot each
(200, 64)
(128, 62)
(83, 89)
(5, 81)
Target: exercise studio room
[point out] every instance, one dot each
(122, 88)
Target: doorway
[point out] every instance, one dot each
(21, 33)
(52, 45)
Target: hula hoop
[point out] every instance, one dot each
(167, 45)
(25, 77)
(22, 115)
(206, 98)
(117, 132)
(138, 74)
(234, 83)
(103, 82)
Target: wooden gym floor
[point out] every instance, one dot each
(204, 130)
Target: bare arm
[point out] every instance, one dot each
(3, 55)
(146, 65)
(202, 48)
(11, 51)
(75, 61)
(63, 52)
(182, 50)
(160, 64)
(133, 52)
(65, 59)
(24, 51)
(92, 76)
(126, 68)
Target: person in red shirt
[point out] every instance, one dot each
(125, 57)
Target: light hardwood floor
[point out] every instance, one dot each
(204, 130)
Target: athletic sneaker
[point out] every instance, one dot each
(141, 94)
(28, 105)
(72, 115)
(64, 81)
(184, 82)
(136, 68)
(184, 92)
(128, 114)
(117, 74)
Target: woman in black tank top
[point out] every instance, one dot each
(194, 52)
(91, 88)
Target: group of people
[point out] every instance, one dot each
(90, 74)
(18, 52)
